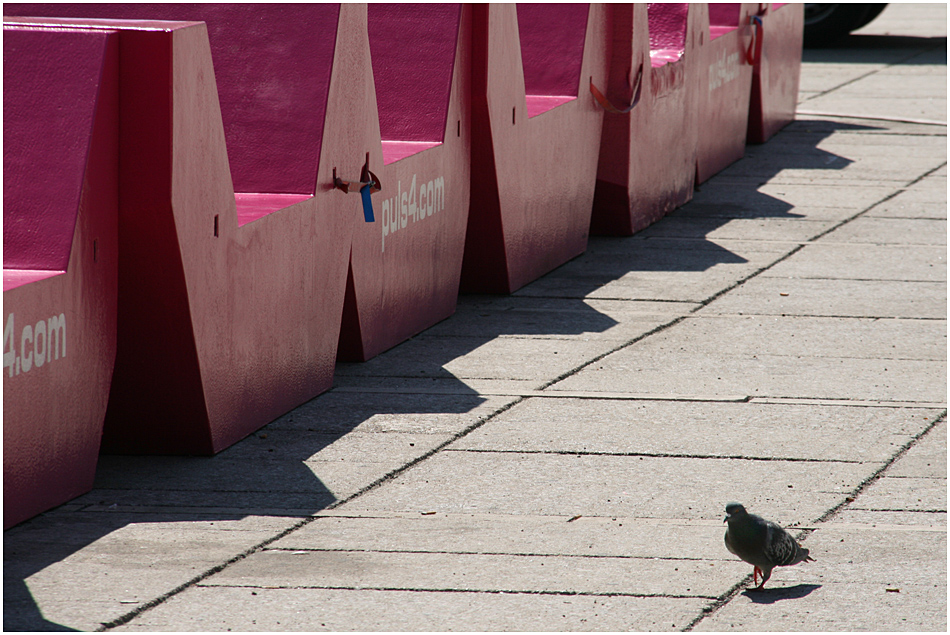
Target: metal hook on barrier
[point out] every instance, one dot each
(367, 185)
(606, 103)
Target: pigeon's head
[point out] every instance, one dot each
(734, 510)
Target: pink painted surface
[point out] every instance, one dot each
(59, 327)
(532, 177)
(42, 188)
(552, 46)
(667, 28)
(647, 157)
(777, 71)
(405, 267)
(242, 320)
(413, 52)
(272, 72)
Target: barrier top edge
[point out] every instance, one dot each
(94, 23)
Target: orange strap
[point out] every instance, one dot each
(606, 103)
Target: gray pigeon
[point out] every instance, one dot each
(761, 543)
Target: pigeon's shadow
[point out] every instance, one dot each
(770, 596)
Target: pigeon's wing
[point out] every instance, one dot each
(729, 544)
(780, 547)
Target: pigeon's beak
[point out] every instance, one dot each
(726, 518)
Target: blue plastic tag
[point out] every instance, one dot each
(367, 204)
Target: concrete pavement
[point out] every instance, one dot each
(560, 459)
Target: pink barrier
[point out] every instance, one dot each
(405, 267)
(60, 133)
(647, 163)
(535, 140)
(723, 84)
(778, 55)
(230, 304)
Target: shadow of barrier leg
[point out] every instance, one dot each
(535, 139)
(60, 202)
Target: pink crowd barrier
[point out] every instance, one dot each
(405, 267)
(647, 163)
(777, 56)
(231, 290)
(60, 199)
(535, 139)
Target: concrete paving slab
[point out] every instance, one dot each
(738, 228)
(914, 202)
(585, 320)
(534, 359)
(892, 231)
(463, 387)
(710, 374)
(905, 493)
(865, 262)
(916, 19)
(398, 410)
(109, 564)
(857, 104)
(589, 536)
(815, 337)
(689, 274)
(768, 294)
(765, 431)
(853, 571)
(478, 572)
(597, 485)
(242, 609)
(931, 520)
(927, 458)
(718, 197)
(838, 169)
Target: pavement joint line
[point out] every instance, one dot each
(494, 553)
(461, 590)
(804, 532)
(922, 122)
(664, 455)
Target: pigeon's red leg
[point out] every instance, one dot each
(755, 574)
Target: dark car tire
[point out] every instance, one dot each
(826, 23)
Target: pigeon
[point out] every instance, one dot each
(761, 543)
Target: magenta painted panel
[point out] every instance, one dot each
(724, 14)
(667, 26)
(272, 69)
(59, 328)
(413, 52)
(552, 46)
(45, 141)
